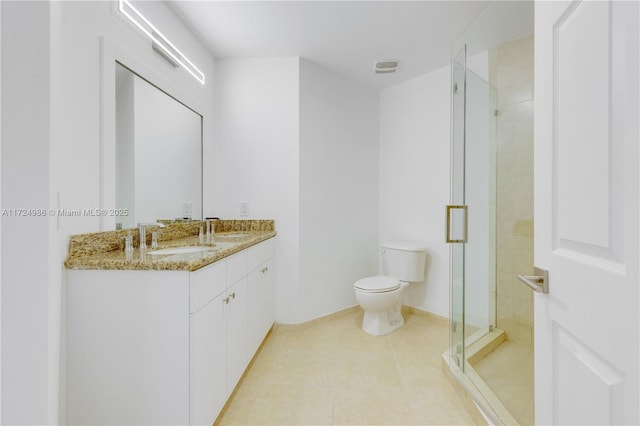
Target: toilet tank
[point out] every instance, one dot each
(403, 260)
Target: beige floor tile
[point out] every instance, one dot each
(432, 344)
(526, 418)
(293, 367)
(332, 372)
(508, 371)
(439, 405)
(372, 406)
(360, 341)
(312, 338)
(363, 369)
(292, 405)
(419, 369)
(239, 407)
(351, 322)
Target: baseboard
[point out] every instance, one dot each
(315, 321)
(430, 315)
(352, 309)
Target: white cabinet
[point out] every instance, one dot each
(205, 284)
(218, 323)
(261, 284)
(165, 347)
(237, 355)
(236, 317)
(127, 347)
(208, 356)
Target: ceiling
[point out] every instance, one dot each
(347, 37)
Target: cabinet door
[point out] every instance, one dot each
(205, 284)
(261, 308)
(127, 347)
(208, 359)
(236, 324)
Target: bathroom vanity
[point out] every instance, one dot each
(167, 341)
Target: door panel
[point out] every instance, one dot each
(583, 375)
(582, 124)
(586, 212)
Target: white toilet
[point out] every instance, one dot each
(381, 296)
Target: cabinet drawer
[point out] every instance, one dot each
(206, 283)
(236, 267)
(260, 253)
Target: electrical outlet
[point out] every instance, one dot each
(244, 209)
(186, 210)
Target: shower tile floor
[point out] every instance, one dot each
(333, 373)
(508, 371)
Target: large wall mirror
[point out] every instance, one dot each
(158, 153)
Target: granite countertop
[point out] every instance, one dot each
(105, 250)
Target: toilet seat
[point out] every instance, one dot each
(377, 284)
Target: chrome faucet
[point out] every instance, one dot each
(142, 231)
(210, 227)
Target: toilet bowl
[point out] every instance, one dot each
(380, 296)
(381, 299)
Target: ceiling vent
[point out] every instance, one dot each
(385, 67)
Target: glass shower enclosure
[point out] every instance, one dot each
(471, 223)
(489, 160)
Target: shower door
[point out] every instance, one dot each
(455, 224)
(471, 214)
(490, 221)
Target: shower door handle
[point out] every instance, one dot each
(449, 238)
(539, 282)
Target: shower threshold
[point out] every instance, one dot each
(478, 398)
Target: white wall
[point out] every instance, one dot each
(256, 157)
(25, 239)
(52, 152)
(414, 177)
(338, 188)
(298, 143)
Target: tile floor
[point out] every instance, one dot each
(333, 373)
(508, 371)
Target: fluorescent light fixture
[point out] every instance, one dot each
(169, 51)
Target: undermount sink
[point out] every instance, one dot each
(180, 250)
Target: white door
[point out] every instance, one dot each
(586, 212)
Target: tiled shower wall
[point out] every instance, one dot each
(511, 72)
